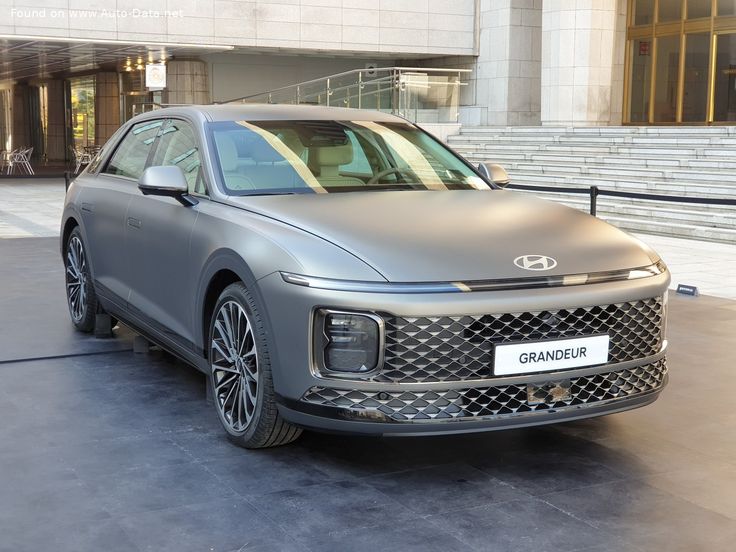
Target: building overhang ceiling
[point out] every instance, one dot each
(33, 57)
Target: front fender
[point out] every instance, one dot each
(219, 260)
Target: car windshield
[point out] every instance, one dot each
(282, 157)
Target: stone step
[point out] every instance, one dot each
(674, 161)
(647, 141)
(711, 172)
(725, 130)
(684, 188)
(652, 210)
(696, 206)
(654, 152)
(716, 159)
(724, 235)
(661, 224)
(547, 166)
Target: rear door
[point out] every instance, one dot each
(158, 234)
(104, 203)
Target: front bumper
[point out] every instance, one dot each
(328, 421)
(518, 402)
(430, 406)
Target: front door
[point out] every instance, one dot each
(104, 203)
(158, 234)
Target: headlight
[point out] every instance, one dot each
(347, 342)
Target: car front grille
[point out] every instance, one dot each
(460, 348)
(496, 401)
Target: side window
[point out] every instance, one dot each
(130, 157)
(97, 161)
(360, 163)
(178, 147)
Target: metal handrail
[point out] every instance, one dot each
(154, 106)
(594, 191)
(350, 72)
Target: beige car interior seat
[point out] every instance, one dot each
(325, 162)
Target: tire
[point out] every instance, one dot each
(240, 373)
(80, 293)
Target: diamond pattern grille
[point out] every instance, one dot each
(460, 348)
(506, 400)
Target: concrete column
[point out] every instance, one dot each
(6, 117)
(56, 129)
(187, 82)
(107, 106)
(619, 59)
(508, 69)
(21, 135)
(578, 59)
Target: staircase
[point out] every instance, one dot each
(687, 161)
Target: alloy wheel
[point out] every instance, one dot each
(76, 279)
(234, 366)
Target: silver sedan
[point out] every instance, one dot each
(343, 270)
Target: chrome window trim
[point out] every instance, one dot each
(479, 285)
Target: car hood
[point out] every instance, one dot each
(430, 236)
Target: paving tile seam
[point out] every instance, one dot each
(269, 518)
(459, 536)
(666, 492)
(590, 524)
(414, 470)
(621, 477)
(685, 499)
(522, 492)
(251, 499)
(698, 450)
(571, 514)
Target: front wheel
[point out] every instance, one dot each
(241, 373)
(80, 294)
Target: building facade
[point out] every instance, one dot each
(73, 70)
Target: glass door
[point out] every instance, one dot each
(667, 79)
(695, 79)
(724, 93)
(680, 62)
(83, 110)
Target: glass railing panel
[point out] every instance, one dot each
(420, 95)
(344, 90)
(429, 97)
(377, 93)
(314, 93)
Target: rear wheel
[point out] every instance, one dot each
(241, 373)
(80, 293)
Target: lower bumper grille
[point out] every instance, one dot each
(504, 400)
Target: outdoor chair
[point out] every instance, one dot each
(21, 158)
(80, 157)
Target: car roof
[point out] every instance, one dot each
(272, 112)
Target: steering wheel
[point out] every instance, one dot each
(391, 170)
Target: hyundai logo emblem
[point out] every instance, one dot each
(535, 262)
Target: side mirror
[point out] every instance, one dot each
(495, 173)
(166, 181)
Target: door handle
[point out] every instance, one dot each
(134, 222)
